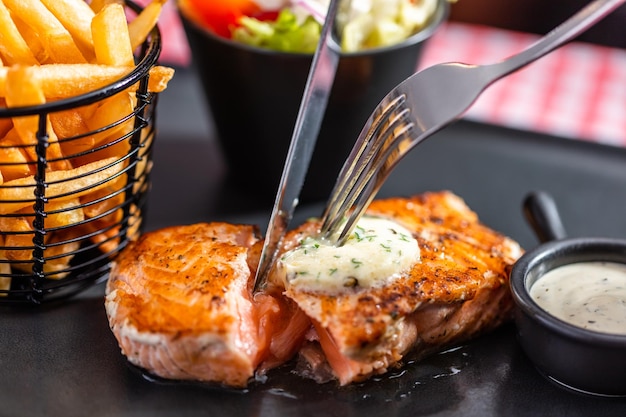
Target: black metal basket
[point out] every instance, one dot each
(64, 218)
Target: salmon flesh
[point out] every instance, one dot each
(179, 303)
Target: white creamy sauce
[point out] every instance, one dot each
(591, 295)
(377, 252)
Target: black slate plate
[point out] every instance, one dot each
(62, 360)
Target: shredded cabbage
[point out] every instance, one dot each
(375, 23)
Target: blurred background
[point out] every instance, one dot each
(539, 17)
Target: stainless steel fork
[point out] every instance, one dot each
(420, 106)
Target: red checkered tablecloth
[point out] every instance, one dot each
(577, 91)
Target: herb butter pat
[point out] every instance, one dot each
(377, 252)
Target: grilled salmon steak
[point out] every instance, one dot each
(457, 289)
(417, 275)
(179, 302)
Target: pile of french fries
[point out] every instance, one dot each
(59, 49)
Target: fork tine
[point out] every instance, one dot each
(379, 170)
(354, 165)
(369, 167)
(351, 175)
(361, 179)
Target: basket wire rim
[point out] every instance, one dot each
(140, 70)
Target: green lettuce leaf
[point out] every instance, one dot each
(284, 34)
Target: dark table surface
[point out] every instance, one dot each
(62, 360)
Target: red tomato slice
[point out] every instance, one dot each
(220, 15)
(266, 16)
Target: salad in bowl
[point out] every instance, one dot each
(295, 25)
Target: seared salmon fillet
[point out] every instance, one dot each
(179, 302)
(457, 289)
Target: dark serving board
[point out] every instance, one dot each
(62, 360)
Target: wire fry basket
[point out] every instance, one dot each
(72, 199)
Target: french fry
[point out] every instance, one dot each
(17, 224)
(68, 124)
(62, 80)
(32, 40)
(112, 124)
(5, 269)
(160, 76)
(6, 124)
(112, 149)
(110, 37)
(55, 38)
(105, 204)
(19, 250)
(75, 16)
(71, 128)
(97, 5)
(58, 255)
(102, 234)
(116, 114)
(59, 214)
(139, 28)
(108, 237)
(19, 238)
(61, 249)
(103, 230)
(144, 164)
(134, 223)
(24, 89)
(13, 47)
(62, 184)
(63, 213)
(14, 163)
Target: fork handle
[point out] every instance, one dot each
(566, 31)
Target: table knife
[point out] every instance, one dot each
(308, 122)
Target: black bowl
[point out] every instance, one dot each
(254, 95)
(580, 359)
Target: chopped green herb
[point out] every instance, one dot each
(404, 237)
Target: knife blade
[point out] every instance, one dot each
(308, 122)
